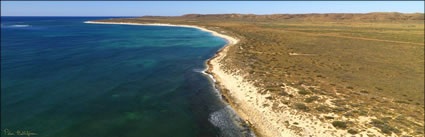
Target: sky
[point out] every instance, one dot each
(177, 8)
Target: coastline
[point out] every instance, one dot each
(208, 70)
(252, 106)
(231, 40)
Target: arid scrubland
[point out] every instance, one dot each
(353, 71)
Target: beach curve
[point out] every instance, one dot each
(248, 103)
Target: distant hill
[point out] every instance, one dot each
(375, 16)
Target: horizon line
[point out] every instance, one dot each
(207, 14)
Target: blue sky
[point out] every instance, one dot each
(176, 8)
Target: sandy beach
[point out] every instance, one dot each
(249, 104)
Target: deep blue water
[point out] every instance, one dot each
(61, 77)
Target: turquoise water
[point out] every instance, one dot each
(61, 77)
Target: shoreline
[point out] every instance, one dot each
(208, 70)
(233, 90)
(254, 108)
(230, 40)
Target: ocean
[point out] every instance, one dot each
(61, 77)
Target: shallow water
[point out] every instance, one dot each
(61, 77)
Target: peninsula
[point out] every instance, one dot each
(317, 74)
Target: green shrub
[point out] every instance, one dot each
(385, 128)
(339, 124)
(339, 109)
(352, 131)
(401, 102)
(303, 92)
(301, 106)
(329, 117)
(348, 114)
(311, 99)
(283, 93)
(323, 108)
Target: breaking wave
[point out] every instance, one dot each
(230, 124)
(15, 26)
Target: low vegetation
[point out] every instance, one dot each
(352, 131)
(311, 99)
(385, 128)
(301, 106)
(303, 92)
(339, 124)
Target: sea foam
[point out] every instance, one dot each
(229, 123)
(15, 26)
